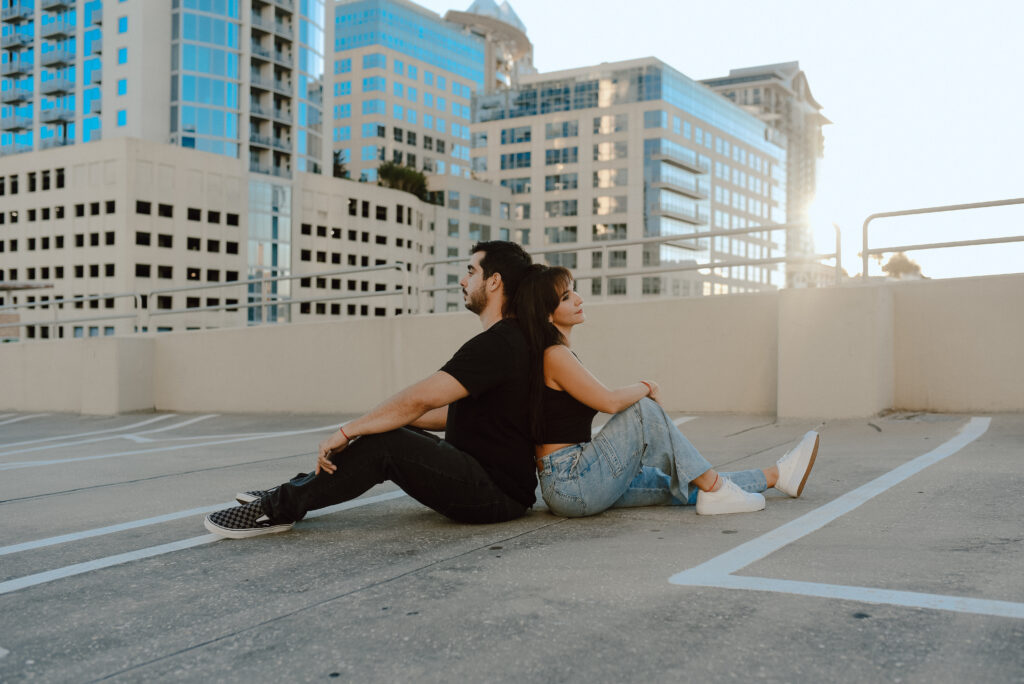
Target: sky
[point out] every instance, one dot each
(926, 100)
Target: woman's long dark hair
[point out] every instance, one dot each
(536, 299)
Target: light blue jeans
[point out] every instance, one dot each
(639, 458)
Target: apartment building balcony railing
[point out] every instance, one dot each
(96, 106)
(57, 57)
(97, 46)
(694, 216)
(56, 5)
(282, 172)
(97, 16)
(258, 22)
(15, 96)
(282, 115)
(285, 4)
(257, 81)
(56, 115)
(283, 87)
(283, 30)
(16, 14)
(57, 29)
(261, 52)
(16, 68)
(283, 59)
(14, 122)
(261, 140)
(689, 189)
(256, 110)
(690, 161)
(57, 86)
(256, 167)
(14, 148)
(282, 144)
(50, 143)
(15, 41)
(96, 76)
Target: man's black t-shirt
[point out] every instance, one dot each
(492, 423)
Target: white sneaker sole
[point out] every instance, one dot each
(810, 463)
(244, 534)
(751, 505)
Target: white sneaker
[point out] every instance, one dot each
(728, 499)
(796, 465)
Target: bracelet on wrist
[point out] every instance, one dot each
(344, 434)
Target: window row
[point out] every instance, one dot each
(43, 243)
(191, 273)
(34, 180)
(44, 213)
(192, 213)
(192, 244)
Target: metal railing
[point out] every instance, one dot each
(865, 252)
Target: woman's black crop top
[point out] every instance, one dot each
(564, 420)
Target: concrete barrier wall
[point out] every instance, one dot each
(959, 344)
(951, 345)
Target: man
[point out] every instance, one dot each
(482, 472)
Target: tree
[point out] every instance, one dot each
(902, 266)
(392, 175)
(339, 165)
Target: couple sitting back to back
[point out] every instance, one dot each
(515, 401)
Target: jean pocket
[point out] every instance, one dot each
(616, 454)
(561, 492)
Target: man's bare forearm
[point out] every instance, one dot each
(434, 419)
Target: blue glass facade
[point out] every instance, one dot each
(309, 134)
(401, 28)
(635, 84)
(204, 75)
(269, 247)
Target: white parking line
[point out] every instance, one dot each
(20, 418)
(17, 465)
(718, 572)
(121, 558)
(87, 434)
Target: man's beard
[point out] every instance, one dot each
(476, 301)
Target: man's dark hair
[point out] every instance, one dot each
(509, 260)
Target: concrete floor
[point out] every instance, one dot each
(902, 562)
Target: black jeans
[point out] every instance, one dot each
(427, 468)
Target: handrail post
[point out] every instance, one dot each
(839, 254)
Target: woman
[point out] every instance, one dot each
(639, 457)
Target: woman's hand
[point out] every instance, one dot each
(655, 392)
(330, 446)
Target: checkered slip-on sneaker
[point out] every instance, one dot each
(240, 522)
(252, 495)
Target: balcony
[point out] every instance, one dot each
(97, 46)
(283, 30)
(57, 86)
(56, 115)
(96, 77)
(57, 29)
(282, 144)
(261, 140)
(281, 172)
(261, 24)
(16, 68)
(256, 110)
(261, 52)
(285, 4)
(14, 148)
(15, 123)
(284, 59)
(96, 106)
(683, 158)
(697, 218)
(257, 81)
(56, 5)
(283, 87)
(688, 189)
(97, 16)
(16, 14)
(15, 96)
(256, 167)
(15, 41)
(59, 57)
(50, 143)
(282, 116)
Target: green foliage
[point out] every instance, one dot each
(399, 177)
